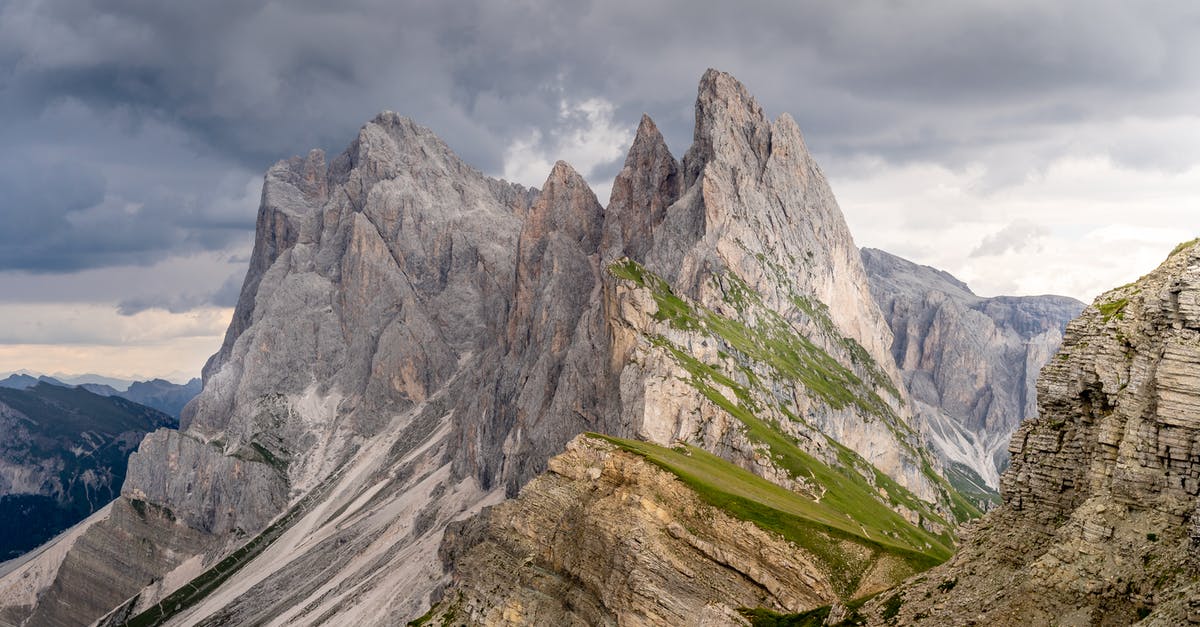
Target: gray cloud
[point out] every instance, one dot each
(224, 296)
(147, 119)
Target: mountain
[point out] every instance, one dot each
(970, 364)
(63, 456)
(93, 379)
(70, 379)
(167, 397)
(1099, 524)
(20, 381)
(100, 388)
(426, 366)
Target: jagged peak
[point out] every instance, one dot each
(648, 146)
(563, 174)
(729, 123)
(388, 117)
(567, 204)
(647, 140)
(720, 90)
(643, 189)
(565, 181)
(406, 136)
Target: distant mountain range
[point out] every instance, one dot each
(62, 457)
(160, 394)
(119, 383)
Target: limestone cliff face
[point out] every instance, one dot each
(1100, 513)
(414, 341)
(970, 364)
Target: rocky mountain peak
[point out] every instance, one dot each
(646, 139)
(730, 124)
(416, 340)
(568, 206)
(645, 187)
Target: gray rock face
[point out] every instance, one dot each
(1100, 502)
(415, 340)
(970, 363)
(204, 489)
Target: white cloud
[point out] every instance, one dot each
(1084, 225)
(177, 360)
(1016, 237)
(95, 324)
(94, 338)
(584, 135)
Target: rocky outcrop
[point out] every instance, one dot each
(1097, 526)
(970, 364)
(415, 340)
(607, 537)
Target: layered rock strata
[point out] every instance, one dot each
(609, 536)
(1100, 503)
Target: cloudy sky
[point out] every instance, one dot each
(1026, 147)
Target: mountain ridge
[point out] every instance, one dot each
(970, 363)
(63, 457)
(415, 341)
(163, 395)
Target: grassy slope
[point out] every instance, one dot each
(842, 509)
(843, 513)
(790, 356)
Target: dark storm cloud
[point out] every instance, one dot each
(149, 118)
(225, 296)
